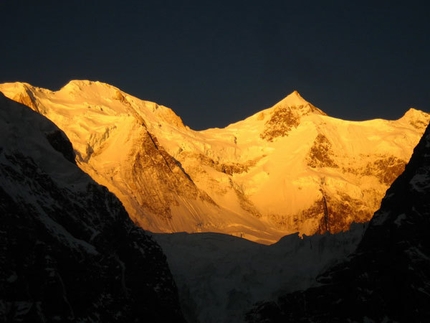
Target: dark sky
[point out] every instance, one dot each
(216, 62)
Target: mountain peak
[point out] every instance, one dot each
(80, 84)
(286, 115)
(416, 118)
(295, 100)
(296, 96)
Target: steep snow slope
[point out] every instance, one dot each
(68, 250)
(286, 169)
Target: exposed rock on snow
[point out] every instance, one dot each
(320, 154)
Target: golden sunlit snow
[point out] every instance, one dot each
(261, 178)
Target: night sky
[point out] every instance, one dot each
(216, 62)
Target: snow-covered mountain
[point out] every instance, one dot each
(387, 278)
(68, 250)
(289, 168)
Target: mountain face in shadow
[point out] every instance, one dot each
(387, 278)
(68, 250)
(220, 276)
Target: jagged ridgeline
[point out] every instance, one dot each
(68, 249)
(289, 168)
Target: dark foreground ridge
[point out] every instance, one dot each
(68, 250)
(387, 279)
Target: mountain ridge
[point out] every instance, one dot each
(69, 251)
(271, 174)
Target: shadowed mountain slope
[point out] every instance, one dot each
(68, 249)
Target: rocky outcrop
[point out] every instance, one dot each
(159, 178)
(68, 250)
(387, 278)
(321, 153)
(282, 120)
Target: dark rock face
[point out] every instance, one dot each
(387, 279)
(60, 143)
(68, 250)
